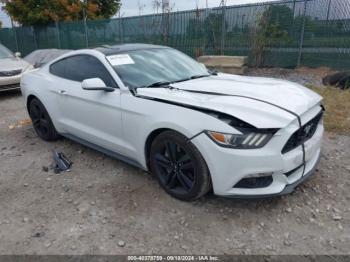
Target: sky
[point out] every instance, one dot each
(131, 7)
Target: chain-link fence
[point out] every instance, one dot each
(284, 33)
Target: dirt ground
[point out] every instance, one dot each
(104, 206)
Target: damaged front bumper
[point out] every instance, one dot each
(276, 173)
(287, 190)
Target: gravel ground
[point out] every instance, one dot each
(104, 206)
(302, 75)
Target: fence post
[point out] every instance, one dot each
(294, 2)
(15, 33)
(121, 30)
(329, 9)
(166, 26)
(86, 33)
(58, 35)
(34, 38)
(302, 34)
(85, 25)
(223, 29)
(293, 23)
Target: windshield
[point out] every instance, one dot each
(5, 53)
(143, 68)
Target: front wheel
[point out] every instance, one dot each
(179, 166)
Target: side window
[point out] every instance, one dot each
(58, 68)
(81, 67)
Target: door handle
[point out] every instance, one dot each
(62, 92)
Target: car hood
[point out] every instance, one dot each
(12, 63)
(256, 100)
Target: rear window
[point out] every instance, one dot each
(58, 68)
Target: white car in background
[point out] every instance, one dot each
(160, 110)
(11, 69)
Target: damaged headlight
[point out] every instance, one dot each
(249, 139)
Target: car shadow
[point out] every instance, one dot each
(9, 94)
(210, 200)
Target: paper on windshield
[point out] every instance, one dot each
(121, 59)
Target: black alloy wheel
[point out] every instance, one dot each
(179, 167)
(41, 120)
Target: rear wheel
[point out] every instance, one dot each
(42, 123)
(179, 166)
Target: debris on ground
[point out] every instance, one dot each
(340, 79)
(20, 123)
(39, 234)
(61, 163)
(121, 243)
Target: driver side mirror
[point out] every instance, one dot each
(18, 54)
(95, 84)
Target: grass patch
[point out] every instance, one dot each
(337, 103)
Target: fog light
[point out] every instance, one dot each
(255, 182)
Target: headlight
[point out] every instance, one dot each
(248, 140)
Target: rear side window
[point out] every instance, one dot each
(58, 68)
(80, 67)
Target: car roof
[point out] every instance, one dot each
(40, 57)
(122, 48)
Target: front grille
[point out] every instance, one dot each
(303, 134)
(10, 73)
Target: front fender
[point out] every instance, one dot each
(161, 115)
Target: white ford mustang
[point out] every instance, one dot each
(158, 109)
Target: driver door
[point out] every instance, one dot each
(93, 116)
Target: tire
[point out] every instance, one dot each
(42, 123)
(179, 166)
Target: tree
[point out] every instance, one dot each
(281, 16)
(213, 26)
(106, 8)
(273, 26)
(41, 12)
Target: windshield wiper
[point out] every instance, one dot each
(167, 83)
(190, 78)
(198, 76)
(213, 72)
(158, 84)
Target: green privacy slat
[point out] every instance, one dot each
(272, 31)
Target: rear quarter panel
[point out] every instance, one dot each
(39, 83)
